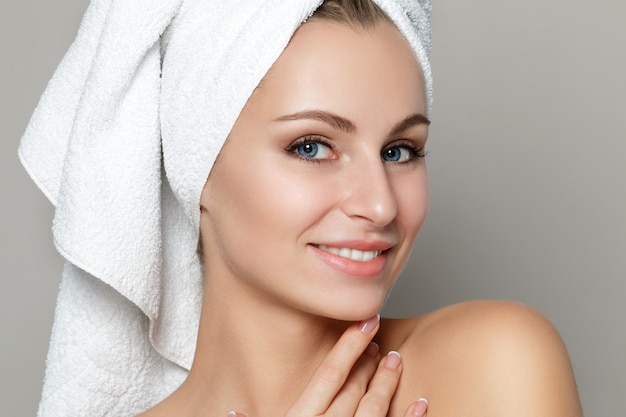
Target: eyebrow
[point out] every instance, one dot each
(413, 120)
(331, 119)
(347, 126)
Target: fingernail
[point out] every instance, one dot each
(392, 361)
(372, 349)
(369, 325)
(420, 407)
(232, 414)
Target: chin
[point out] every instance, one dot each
(353, 310)
(354, 302)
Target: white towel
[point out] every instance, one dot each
(121, 143)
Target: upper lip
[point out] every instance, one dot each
(363, 245)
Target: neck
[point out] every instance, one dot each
(254, 355)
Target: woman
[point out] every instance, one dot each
(306, 219)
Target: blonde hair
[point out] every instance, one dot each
(362, 14)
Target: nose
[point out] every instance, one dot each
(368, 193)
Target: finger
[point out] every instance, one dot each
(235, 414)
(348, 398)
(330, 376)
(382, 387)
(417, 409)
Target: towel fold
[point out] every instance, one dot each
(121, 143)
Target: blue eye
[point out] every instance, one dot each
(308, 150)
(398, 154)
(312, 149)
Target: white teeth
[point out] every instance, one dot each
(354, 254)
(345, 253)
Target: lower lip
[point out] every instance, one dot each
(357, 269)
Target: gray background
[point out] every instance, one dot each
(527, 174)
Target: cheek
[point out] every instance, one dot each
(286, 199)
(412, 201)
(267, 202)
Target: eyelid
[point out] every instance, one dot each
(411, 143)
(309, 139)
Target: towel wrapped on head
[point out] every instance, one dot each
(121, 143)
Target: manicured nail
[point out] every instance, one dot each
(372, 349)
(420, 407)
(232, 414)
(392, 361)
(369, 325)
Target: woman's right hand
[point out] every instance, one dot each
(352, 380)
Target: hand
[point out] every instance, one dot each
(352, 381)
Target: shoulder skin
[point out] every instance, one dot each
(482, 358)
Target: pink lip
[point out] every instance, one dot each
(369, 269)
(359, 244)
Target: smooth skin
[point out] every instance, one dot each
(328, 153)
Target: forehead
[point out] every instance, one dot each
(336, 67)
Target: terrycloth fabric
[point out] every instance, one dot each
(121, 143)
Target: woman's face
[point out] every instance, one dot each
(320, 189)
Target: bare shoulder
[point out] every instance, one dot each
(483, 358)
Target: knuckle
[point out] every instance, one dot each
(332, 374)
(387, 376)
(356, 387)
(353, 341)
(384, 385)
(375, 405)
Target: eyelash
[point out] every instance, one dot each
(415, 152)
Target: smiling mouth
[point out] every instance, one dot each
(352, 254)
